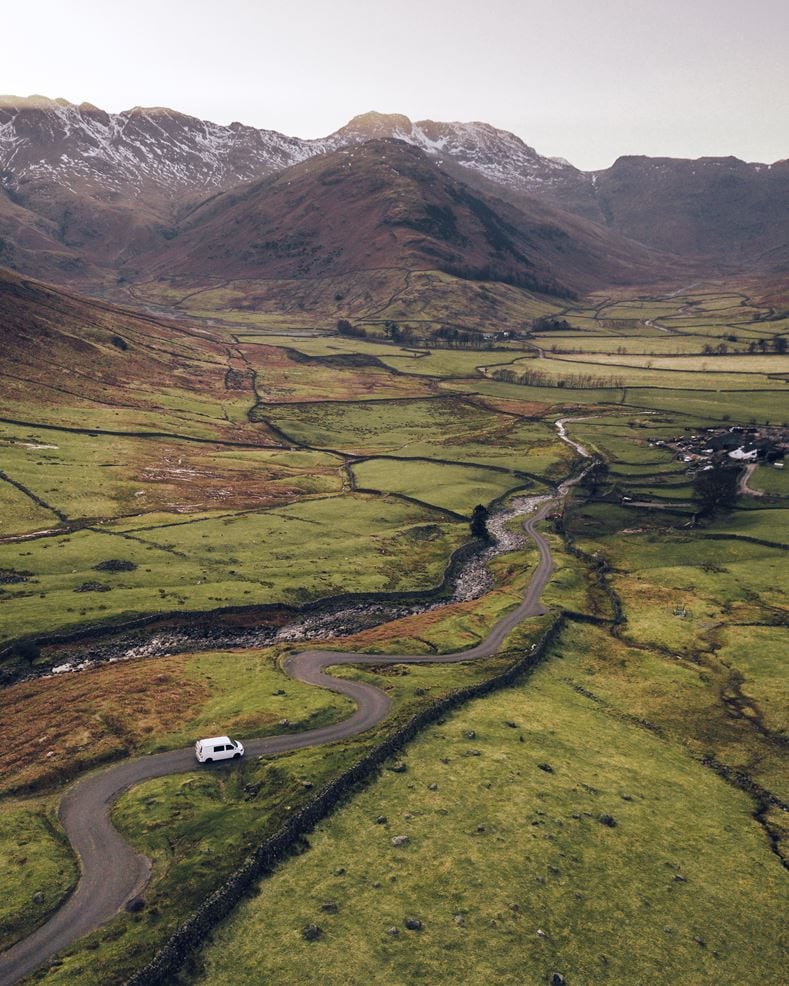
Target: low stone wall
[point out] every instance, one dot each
(192, 933)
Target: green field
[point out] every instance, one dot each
(457, 488)
(366, 543)
(34, 859)
(509, 869)
(774, 482)
(265, 459)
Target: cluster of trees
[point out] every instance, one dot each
(345, 328)
(573, 381)
(462, 338)
(550, 323)
(393, 331)
(777, 344)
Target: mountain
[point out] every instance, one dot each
(385, 204)
(83, 191)
(477, 148)
(722, 208)
(160, 153)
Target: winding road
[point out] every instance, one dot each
(112, 873)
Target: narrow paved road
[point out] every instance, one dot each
(113, 873)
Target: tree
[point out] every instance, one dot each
(716, 489)
(779, 344)
(595, 477)
(479, 522)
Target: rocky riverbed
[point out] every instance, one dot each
(472, 580)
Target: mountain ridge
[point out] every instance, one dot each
(95, 190)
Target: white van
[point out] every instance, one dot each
(218, 748)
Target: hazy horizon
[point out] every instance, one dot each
(639, 78)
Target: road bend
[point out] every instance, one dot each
(112, 873)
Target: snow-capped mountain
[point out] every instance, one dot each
(82, 189)
(139, 151)
(494, 154)
(155, 151)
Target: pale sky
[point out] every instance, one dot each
(583, 79)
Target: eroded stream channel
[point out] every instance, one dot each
(470, 578)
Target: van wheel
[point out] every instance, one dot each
(208, 760)
(236, 756)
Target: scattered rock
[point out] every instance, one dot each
(627, 797)
(679, 878)
(38, 898)
(576, 814)
(381, 820)
(340, 871)
(470, 734)
(400, 840)
(459, 920)
(135, 905)
(557, 979)
(413, 924)
(9, 577)
(398, 768)
(511, 724)
(394, 932)
(330, 906)
(607, 820)
(480, 828)
(377, 885)
(93, 587)
(541, 933)
(515, 907)
(307, 785)
(311, 932)
(546, 767)
(555, 870)
(115, 565)
(284, 722)
(699, 941)
(432, 787)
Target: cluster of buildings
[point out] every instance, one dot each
(738, 444)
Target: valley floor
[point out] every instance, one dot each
(617, 816)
